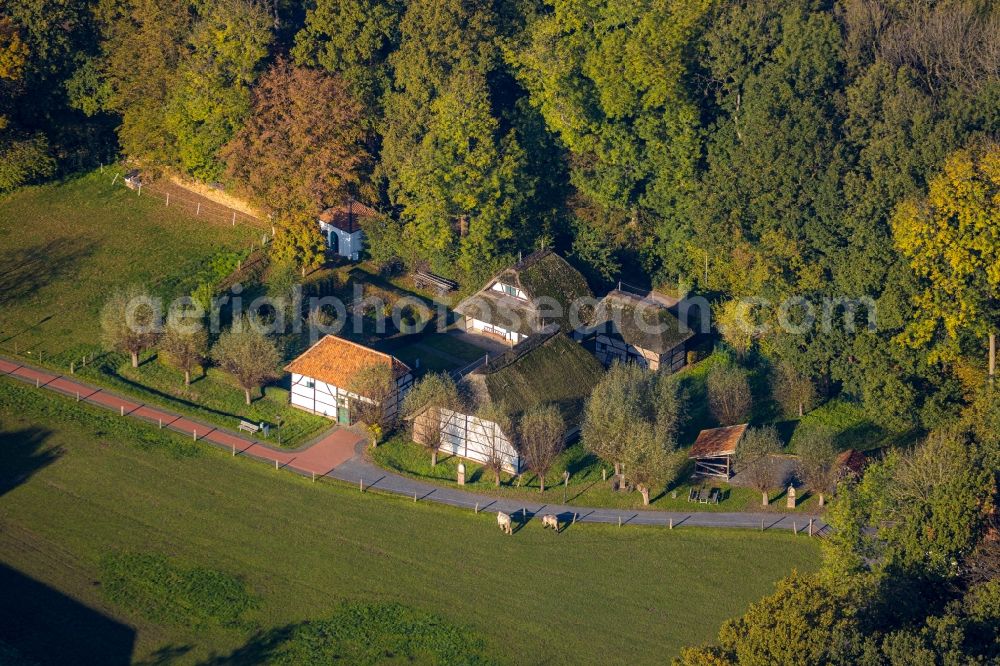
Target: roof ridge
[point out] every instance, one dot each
(337, 338)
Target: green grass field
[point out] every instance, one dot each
(67, 246)
(81, 488)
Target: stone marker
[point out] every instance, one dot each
(791, 497)
(461, 474)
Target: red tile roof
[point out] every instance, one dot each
(717, 442)
(852, 461)
(336, 361)
(345, 217)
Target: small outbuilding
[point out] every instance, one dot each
(538, 291)
(714, 449)
(342, 230)
(851, 463)
(323, 376)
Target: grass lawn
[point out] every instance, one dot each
(91, 501)
(67, 246)
(854, 430)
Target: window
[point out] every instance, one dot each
(509, 289)
(310, 383)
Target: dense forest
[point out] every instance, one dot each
(739, 149)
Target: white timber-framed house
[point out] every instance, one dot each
(539, 290)
(323, 377)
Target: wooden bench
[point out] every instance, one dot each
(249, 427)
(426, 280)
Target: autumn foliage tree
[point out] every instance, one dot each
(302, 147)
(950, 239)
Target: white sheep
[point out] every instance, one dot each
(503, 520)
(549, 520)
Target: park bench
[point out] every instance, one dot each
(713, 497)
(251, 428)
(427, 280)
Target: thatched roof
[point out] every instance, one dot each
(642, 322)
(717, 442)
(545, 368)
(546, 279)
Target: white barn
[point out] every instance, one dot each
(341, 229)
(548, 368)
(323, 375)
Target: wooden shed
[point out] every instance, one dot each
(714, 449)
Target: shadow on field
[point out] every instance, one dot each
(25, 271)
(23, 455)
(45, 626)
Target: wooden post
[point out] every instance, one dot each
(993, 355)
(122, 409)
(414, 497)
(139, 190)
(477, 508)
(810, 527)
(161, 423)
(234, 219)
(72, 367)
(361, 484)
(604, 474)
(275, 463)
(198, 210)
(37, 385)
(114, 179)
(619, 521)
(194, 435)
(670, 523)
(78, 396)
(314, 477)
(574, 517)
(795, 530)
(761, 524)
(168, 198)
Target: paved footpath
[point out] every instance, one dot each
(339, 454)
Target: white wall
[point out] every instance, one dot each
(471, 437)
(476, 326)
(348, 244)
(322, 398)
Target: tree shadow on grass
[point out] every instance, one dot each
(47, 627)
(23, 455)
(24, 271)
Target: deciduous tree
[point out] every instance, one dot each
(186, 341)
(542, 433)
(818, 461)
(728, 394)
(302, 148)
(376, 384)
(950, 241)
(245, 352)
(426, 407)
(755, 462)
(130, 322)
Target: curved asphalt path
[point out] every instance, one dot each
(339, 454)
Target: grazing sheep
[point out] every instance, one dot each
(549, 520)
(503, 520)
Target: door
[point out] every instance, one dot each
(343, 416)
